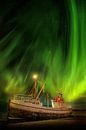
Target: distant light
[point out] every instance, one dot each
(35, 76)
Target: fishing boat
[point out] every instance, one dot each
(30, 107)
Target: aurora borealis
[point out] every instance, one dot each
(44, 37)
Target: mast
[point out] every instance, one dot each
(35, 83)
(35, 76)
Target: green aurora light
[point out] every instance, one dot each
(46, 37)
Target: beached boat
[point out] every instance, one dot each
(30, 106)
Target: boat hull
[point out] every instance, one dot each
(36, 112)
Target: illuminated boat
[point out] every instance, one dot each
(30, 106)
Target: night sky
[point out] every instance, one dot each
(45, 37)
